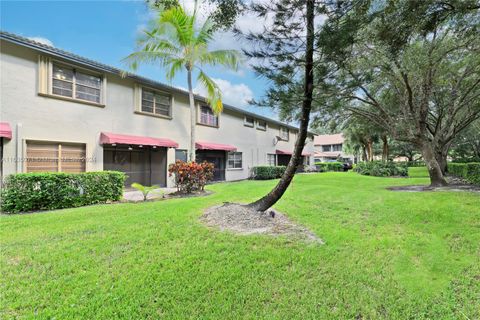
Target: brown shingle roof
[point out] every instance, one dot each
(328, 139)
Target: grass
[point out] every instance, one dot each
(388, 255)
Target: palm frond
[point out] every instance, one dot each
(205, 34)
(228, 58)
(173, 66)
(214, 95)
(182, 23)
(133, 59)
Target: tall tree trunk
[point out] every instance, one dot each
(370, 150)
(364, 153)
(441, 156)
(435, 172)
(385, 148)
(277, 192)
(193, 116)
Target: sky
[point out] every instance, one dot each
(106, 31)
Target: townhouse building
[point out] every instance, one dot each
(63, 112)
(331, 147)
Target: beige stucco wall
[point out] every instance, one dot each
(35, 117)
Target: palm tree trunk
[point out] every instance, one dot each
(193, 116)
(273, 196)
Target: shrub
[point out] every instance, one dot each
(329, 166)
(191, 176)
(145, 190)
(468, 171)
(310, 169)
(410, 164)
(57, 190)
(382, 169)
(267, 172)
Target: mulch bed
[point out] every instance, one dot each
(454, 184)
(173, 195)
(243, 220)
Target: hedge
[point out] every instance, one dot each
(416, 163)
(329, 166)
(267, 172)
(55, 190)
(468, 171)
(382, 169)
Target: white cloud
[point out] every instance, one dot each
(42, 40)
(234, 94)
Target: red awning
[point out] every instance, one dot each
(214, 146)
(5, 130)
(111, 138)
(305, 154)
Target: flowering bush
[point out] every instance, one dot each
(191, 176)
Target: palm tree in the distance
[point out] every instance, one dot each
(174, 41)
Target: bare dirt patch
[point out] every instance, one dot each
(241, 219)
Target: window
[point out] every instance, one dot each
(234, 160)
(306, 160)
(271, 159)
(155, 102)
(55, 157)
(284, 133)
(261, 125)
(337, 147)
(181, 154)
(249, 121)
(71, 83)
(326, 148)
(207, 117)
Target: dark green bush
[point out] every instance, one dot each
(416, 163)
(55, 190)
(468, 171)
(382, 169)
(329, 166)
(267, 172)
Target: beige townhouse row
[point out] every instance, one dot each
(63, 112)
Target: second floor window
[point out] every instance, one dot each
(284, 133)
(261, 125)
(326, 148)
(337, 147)
(249, 121)
(68, 82)
(155, 102)
(207, 117)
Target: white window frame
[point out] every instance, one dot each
(159, 92)
(199, 118)
(45, 81)
(258, 127)
(247, 124)
(337, 144)
(235, 160)
(274, 159)
(282, 130)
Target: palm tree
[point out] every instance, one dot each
(174, 41)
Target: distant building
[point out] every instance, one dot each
(329, 147)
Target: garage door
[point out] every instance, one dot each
(55, 157)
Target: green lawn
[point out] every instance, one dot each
(388, 255)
